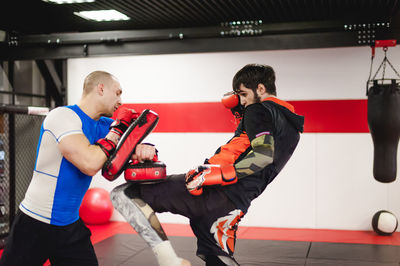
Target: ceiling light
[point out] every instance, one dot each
(2, 36)
(102, 15)
(68, 1)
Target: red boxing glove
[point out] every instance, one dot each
(124, 118)
(208, 175)
(232, 101)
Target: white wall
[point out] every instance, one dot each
(328, 183)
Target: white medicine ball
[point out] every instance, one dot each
(384, 223)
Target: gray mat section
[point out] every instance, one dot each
(355, 252)
(124, 250)
(322, 262)
(271, 253)
(130, 249)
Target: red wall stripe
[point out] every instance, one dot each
(321, 116)
(190, 117)
(333, 116)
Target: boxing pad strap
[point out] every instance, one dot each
(135, 133)
(119, 127)
(106, 145)
(147, 172)
(155, 159)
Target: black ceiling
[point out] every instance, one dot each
(36, 29)
(38, 17)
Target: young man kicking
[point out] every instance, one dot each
(217, 194)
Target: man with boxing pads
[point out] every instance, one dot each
(75, 142)
(217, 194)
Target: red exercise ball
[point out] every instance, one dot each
(96, 207)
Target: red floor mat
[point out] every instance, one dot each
(101, 232)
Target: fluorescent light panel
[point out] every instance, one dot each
(68, 1)
(102, 15)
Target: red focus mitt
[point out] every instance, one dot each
(147, 172)
(135, 133)
(208, 175)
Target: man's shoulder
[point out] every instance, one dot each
(268, 105)
(61, 115)
(61, 112)
(60, 109)
(258, 109)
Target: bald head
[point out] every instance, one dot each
(95, 78)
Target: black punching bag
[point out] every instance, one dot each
(384, 125)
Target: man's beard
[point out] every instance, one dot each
(256, 98)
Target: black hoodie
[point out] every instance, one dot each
(278, 119)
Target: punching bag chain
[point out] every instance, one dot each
(383, 66)
(386, 60)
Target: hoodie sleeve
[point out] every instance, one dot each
(259, 129)
(257, 121)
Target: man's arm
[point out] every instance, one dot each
(89, 159)
(260, 157)
(259, 127)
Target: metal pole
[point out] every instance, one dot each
(11, 146)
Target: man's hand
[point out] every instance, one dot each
(195, 180)
(145, 152)
(208, 175)
(124, 118)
